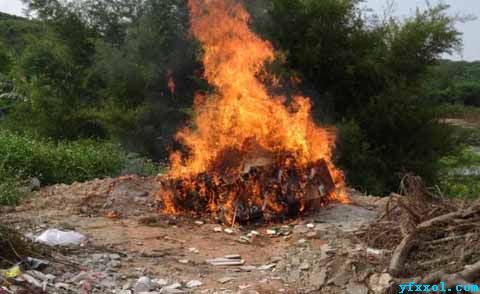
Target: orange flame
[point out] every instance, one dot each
(171, 82)
(242, 122)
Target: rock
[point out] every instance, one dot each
(114, 256)
(98, 257)
(244, 240)
(248, 268)
(172, 289)
(184, 261)
(108, 284)
(304, 266)
(302, 242)
(228, 231)
(62, 286)
(115, 263)
(310, 226)
(34, 184)
(300, 229)
(194, 284)
(80, 277)
(276, 259)
(313, 235)
(125, 292)
(380, 283)
(317, 279)
(225, 280)
(266, 267)
(160, 282)
(217, 229)
(143, 284)
(128, 285)
(271, 232)
(255, 233)
(355, 288)
(341, 279)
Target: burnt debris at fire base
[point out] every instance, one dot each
(271, 192)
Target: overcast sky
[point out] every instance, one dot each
(471, 30)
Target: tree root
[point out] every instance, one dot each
(403, 249)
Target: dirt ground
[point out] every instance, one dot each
(120, 217)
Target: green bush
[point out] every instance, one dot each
(9, 188)
(460, 173)
(389, 138)
(58, 163)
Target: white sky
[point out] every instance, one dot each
(471, 30)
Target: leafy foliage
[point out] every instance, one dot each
(62, 162)
(454, 83)
(373, 72)
(105, 69)
(460, 173)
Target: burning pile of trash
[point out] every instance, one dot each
(249, 154)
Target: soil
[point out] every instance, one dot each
(312, 254)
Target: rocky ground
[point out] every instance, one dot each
(132, 248)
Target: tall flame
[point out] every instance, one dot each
(242, 118)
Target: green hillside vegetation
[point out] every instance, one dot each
(97, 72)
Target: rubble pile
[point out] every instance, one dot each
(368, 246)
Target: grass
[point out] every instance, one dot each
(52, 162)
(23, 157)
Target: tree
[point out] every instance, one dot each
(373, 72)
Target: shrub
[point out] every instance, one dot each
(9, 188)
(460, 173)
(389, 138)
(58, 162)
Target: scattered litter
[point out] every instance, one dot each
(371, 251)
(233, 256)
(225, 262)
(184, 261)
(200, 223)
(266, 267)
(228, 231)
(271, 232)
(194, 284)
(301, 241)
(217, 229)
(12, 272)
(36, 264)
(160, 282)
(194, 250)
(244, 239)
(54, 237)
(311, 226)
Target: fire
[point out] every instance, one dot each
(171, 82)
(241, 129)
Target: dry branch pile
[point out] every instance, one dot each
(431, 239)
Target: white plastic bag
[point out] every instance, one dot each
(54, 237)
